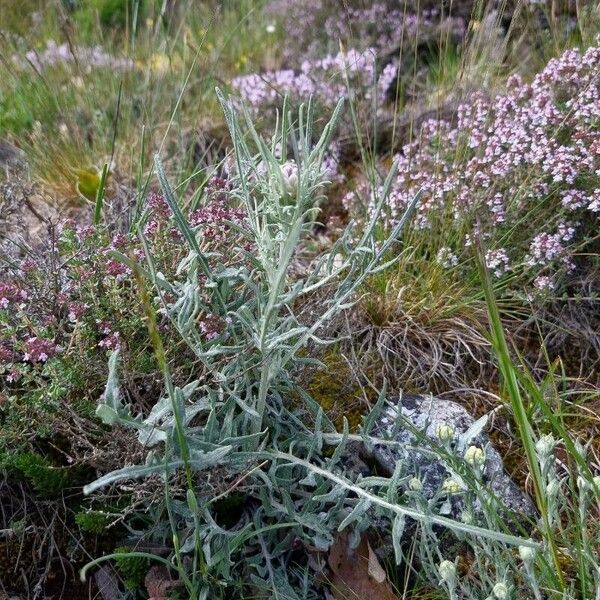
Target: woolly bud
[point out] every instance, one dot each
(447, 572)
(475, 456)
(415, 484)
(500, 591)
(451, 486)
(527, 554)
(552, 488)
(545, 445)
(445, 432)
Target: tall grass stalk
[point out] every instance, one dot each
(519, 411)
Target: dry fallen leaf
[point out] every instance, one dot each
(357, 573)
(159, 583)
(375, 569)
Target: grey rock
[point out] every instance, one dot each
(414, 423)
(10, 156)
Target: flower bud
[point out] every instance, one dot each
(445, 432)
(289, 172)
(475, 456)
(447, 572)
(500, 591)
(451, 486)
(415, 484)
(527, 554)
(545, 445)
(583, 484)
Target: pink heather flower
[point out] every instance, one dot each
(151, 228)
(39, 350)
(64, 54)
(216, 188)
(573, 199)
(497, 261)
(159, 207)
(594, 205)
(511, 136)
(496, 206)
(330, 167)
(117, 269)
(6, 354)
(28, 265)
(111, 342)
(13, 376)
(211, 326)
(387, 78)
(214, 218)
(85, 233)
(176, 235)
(544, 283)
(104, 327)
(76, 311)
(119, 241)
(112, 339)
(446, 258)
(10, 293)
(546, 247)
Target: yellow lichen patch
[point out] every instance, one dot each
(337, 390)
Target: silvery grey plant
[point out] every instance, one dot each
(503, 574)
(237, 414)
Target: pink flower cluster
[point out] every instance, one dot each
(382, 25)
(76, 310)
(6, 355)
(11, 294)
(111, 339)
(39, 350)
(322, 79)
(211, 326)
(526, 160)
(214, 219)
(61, 54)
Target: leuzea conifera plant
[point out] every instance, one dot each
(240, 416)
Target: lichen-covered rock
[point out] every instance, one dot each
(11, 157)
(420, 424)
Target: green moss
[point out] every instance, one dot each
(337, 391)
(39, 471)
(133, 569)
(92, 522)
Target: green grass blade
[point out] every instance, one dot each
(510, 379)
(100, 195)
